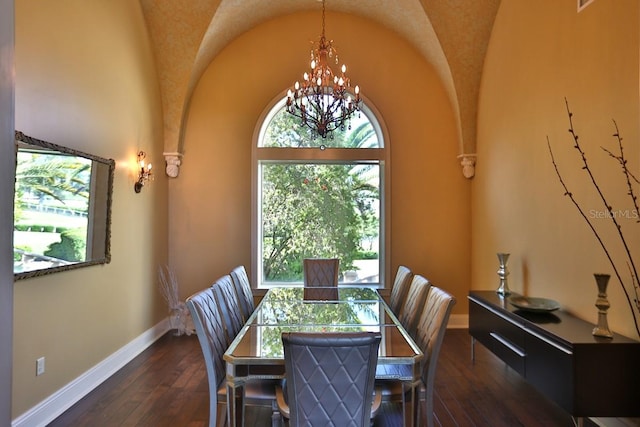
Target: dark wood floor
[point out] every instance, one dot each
(166, 385)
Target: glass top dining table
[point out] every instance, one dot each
(257, 353)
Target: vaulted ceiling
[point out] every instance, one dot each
(452, 35)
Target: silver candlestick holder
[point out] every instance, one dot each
(503, 272)
(602, 328)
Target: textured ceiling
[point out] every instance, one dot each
(452, 35)
(405, 17)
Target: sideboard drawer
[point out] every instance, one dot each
(505, 339)
(549, 368)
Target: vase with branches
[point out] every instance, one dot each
(179, 317)
(627, 277)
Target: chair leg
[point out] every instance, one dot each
(276, 417)
(428, 403)
(410, 406)
(428, 409)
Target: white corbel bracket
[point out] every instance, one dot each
(174, 160)
(468, 162)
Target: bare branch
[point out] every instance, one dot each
(629, 178)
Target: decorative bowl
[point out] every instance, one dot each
(536, 305)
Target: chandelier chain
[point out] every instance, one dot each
(323, 19)
(323, 100)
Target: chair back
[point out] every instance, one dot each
(330, 377)
(414, 303)
(432, 326)
(227, 300)
(243, 291)
(210, 330)
(400, 289)
(322, 275)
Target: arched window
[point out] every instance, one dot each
(319, 197)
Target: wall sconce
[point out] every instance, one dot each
(144, 172)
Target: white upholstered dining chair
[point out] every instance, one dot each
(227, 300)
(413, 303)
(243, 291)
(209, 327)
(400, 289)
(430, 331)
(321, 278)
(330, 379)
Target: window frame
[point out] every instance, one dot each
(328, 155)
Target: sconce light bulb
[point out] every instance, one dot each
(144, 174)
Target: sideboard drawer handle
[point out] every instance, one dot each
(507, 344)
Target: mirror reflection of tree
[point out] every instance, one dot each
(51, 207)
(356, 311)
(62, 178)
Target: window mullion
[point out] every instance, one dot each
(329, 154)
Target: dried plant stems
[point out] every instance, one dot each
(169, 287)
(630, 178)
(179, 318)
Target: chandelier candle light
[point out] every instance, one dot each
(322, 101)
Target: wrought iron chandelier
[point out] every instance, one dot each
(323, 101)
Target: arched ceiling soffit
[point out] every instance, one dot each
(176, 29)
(464, 29)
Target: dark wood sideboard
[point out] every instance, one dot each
(556, 352)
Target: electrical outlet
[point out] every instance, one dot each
(40, 366)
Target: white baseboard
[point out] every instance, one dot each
(53, 406)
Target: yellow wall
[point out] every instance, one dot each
(210, 208)
(540, 53)
(85, 79)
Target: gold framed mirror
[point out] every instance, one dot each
(62, 208)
